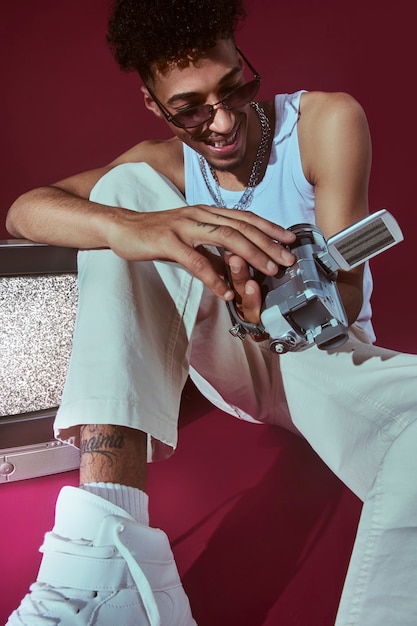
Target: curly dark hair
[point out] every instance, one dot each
(146, 33)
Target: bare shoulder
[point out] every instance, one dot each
(164, 156)
(330, 122)
(317, 106)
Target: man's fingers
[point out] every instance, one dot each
(178, 235)
(248, 292)
(252, 302)
(243, 235)
(201, 265)
(239, 272)
(215, 259)
(276, 232)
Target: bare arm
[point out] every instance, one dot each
(336, 149)
(61, 214)
(57, 216)
(336, 156)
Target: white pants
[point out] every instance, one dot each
(143, 327)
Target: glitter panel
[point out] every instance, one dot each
(37, 315)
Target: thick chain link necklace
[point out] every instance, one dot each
(247, 196)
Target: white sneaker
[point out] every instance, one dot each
(101, 567)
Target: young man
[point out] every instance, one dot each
(152, 310)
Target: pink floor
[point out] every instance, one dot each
(261, 530)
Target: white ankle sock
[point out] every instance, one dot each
(132, 500)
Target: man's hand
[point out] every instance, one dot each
(178, 234)
(248, 294)
(247, 291)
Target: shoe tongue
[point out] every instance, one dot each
(79, 513)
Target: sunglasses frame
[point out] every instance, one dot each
(172, 118)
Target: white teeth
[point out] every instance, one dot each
(223, 142)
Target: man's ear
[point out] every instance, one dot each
(150, 102)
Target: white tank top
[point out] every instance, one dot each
(284, 195)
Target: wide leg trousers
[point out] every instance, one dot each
(143, 327)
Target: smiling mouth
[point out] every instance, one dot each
(222, 142)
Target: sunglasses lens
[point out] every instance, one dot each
(242, 95)
(197, 116)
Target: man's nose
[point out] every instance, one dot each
(223, 120)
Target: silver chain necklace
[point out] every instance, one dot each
(247, 196)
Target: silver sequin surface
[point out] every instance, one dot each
(37, 315)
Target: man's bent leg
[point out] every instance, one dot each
(131, 345)
(357, 407)
(129, 364)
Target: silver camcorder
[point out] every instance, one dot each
(302, 306)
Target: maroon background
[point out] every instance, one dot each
(265, 524)
(66, 107)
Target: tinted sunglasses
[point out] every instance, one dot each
(201, 114)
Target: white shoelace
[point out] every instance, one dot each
(139, 577)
